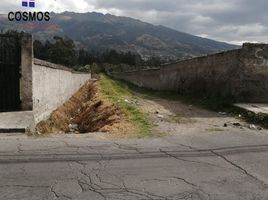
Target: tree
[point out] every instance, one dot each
(40, 50)
(62, 51)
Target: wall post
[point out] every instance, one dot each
(26, 72)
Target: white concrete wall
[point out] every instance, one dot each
(52, 86)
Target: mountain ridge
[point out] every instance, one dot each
(102, 32)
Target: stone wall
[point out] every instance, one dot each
(241, 74)
(52, 86)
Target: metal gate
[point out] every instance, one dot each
(10, 59)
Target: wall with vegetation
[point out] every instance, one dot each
(241, 74)
(52, 86)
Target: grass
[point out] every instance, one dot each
(251, 117)
(117, 92)
(214, 129)
(216, 104)
(211, 103)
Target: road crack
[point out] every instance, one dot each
(185, 160)
(127, 147)
(25, 186)
(185, 181)
(244, 171)
(54, 192)
(240, 168)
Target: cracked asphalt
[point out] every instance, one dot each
(227, 165)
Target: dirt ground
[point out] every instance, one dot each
(172, 117)
(86, 111)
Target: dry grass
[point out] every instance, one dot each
(117, 92)
(90, 111)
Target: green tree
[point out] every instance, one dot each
(62, 52)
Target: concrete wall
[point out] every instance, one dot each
(255, 77)
(52, 86)
(241, 74)
(26, 71)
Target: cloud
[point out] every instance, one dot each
(232, 21)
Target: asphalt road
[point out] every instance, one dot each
(226, 165)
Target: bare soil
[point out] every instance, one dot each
(174, 117)
(86, 111)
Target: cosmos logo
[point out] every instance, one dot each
(28, 16)
(29, 3)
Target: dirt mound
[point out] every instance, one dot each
(86, 111)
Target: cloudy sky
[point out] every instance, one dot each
(233, 21)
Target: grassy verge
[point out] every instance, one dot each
(211, 103)
(117, 92)
(251, 117)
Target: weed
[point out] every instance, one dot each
(117, 92)
(217, 104)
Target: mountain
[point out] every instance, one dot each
(99, 32)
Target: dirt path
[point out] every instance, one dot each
(174, 117)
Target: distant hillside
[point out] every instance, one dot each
(99, 32)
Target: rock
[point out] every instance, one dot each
(127, 101)
(236, 124)
(73, 127)
(222, 113)
(190, 107)
(253, 127)
(134, 102)
(160, 116)
(239, 115)
(225, 125)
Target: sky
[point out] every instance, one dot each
(232, 21)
